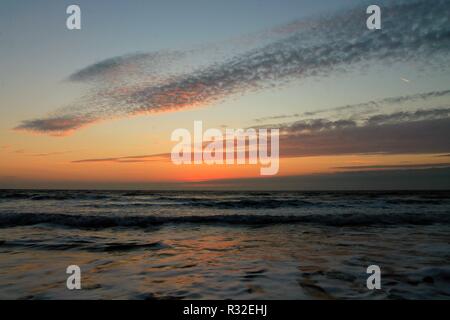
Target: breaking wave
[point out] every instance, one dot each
(100, 222)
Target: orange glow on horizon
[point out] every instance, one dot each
(60, 167)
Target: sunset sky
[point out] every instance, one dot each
(95, 108)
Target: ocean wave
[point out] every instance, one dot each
(82, 245)
(416, 201)
(250, 203)
(103, 221)
(51, 195)
(210, 203)
(230, 199)
(146, 199)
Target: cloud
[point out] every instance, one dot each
(422, 131)
(409, 116)
(122, 66)
(320, 124)
(128, 159)
(316, 125)
(369, 107)
(50, 154)
(418, 131)
(423, 136)
(396, 166)
(336, 43)
(278, 117)
(56, 125)
(161, 64)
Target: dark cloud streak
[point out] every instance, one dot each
(128, 159)
(424, 136)
(398, 166)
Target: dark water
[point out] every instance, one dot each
(239, 245)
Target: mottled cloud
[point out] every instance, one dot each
(57, 125)
(154, 82)
(121, 67)
(368, 108)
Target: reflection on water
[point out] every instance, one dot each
(285, 261)
(236, 245)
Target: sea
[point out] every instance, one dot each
(224, 244)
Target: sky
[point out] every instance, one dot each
(95, 108)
